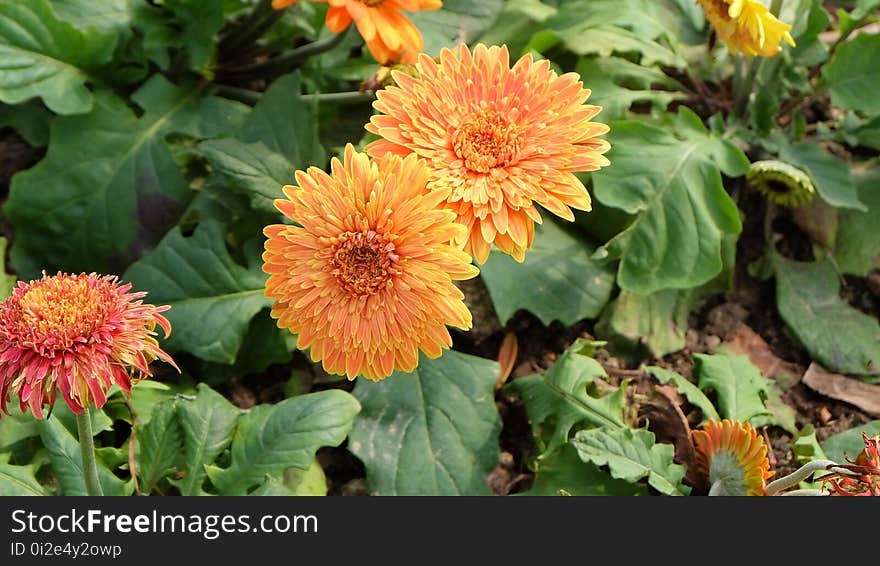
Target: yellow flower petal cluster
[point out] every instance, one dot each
(747, 26)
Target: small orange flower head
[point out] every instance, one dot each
(281, 4)
(747, 26)
(77, 333)
(731, 454)
(497, 140)
(863, 473)
(366, 279)
(390, 36)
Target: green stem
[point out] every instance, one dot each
(289, 61)
(252, 97)
(87, 449)
(798, 476)
(254, 25)
(744, 92)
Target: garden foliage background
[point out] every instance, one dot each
(149, 140)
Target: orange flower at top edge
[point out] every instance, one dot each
(747, 26)
(496, 139)
(390, 36)
(732, 453)
(365, 281)
(281, 4)
(77, 333)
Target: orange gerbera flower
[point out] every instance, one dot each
(366, 279)
(281, 4)
(747, 26)
(81, 333)
(497, 139)
(732, 457)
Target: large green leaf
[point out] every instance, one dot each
(456, 22)
(161, 441)
(41, 55)
(693, 394)
(17, 426)
(212, 298)
(632, 455)
(853, 75)
(64, 454)
(286, 124)
(269, 439)
(857, 245)
(564, 473)
(567, 285)
(672, 183)
(100, 205)
(841, 338)
(431, 432)
(740, 389)
(253, 168)
(605, 77)
(562, 396)
(18, 480)
(516, 24)
(104, 14)
(29, 119)
(656, 322)
(830, 175)
(207, 422)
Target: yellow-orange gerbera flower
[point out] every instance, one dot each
(366, 279)
(732, 457)
(77, 333)
(390, 36)
(497, 139)
(747, 26)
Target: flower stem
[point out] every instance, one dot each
(798, 476)
(87, 449)
(289, 61)
(744, 93)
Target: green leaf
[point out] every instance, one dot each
(285, 124)
(739, 387)
(849, 443)
(98, 206)
(632, 455)
(841, 338)
(691, 392)
(100, 421)
(18, 480)
(253, 169)
(857, 248)
(672, 183)
(161, 441)
(568, 285)
(561, 394)
(212, 298)
(7, 282)
(198, 21)
(516, 23)
(103, 15)
(830, 175)
(16, 427)
(604, 77)
(272, 438)
(207, 424)
(30, 119)
(64, 454)
(655, 322)
(432, 432)
(853, 76)
(456, 22)
(565, 473)
(41, 55)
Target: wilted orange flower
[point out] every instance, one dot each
(366, 281)
(859, 477)
(389, 35)
(496, 139)
(79, 333)
(733, 452)
(747, 26)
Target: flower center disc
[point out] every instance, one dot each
(60, 313)
(487, 141)
(363, 262)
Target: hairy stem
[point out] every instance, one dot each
(289, 61)
(798, 476)
(87, 449)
